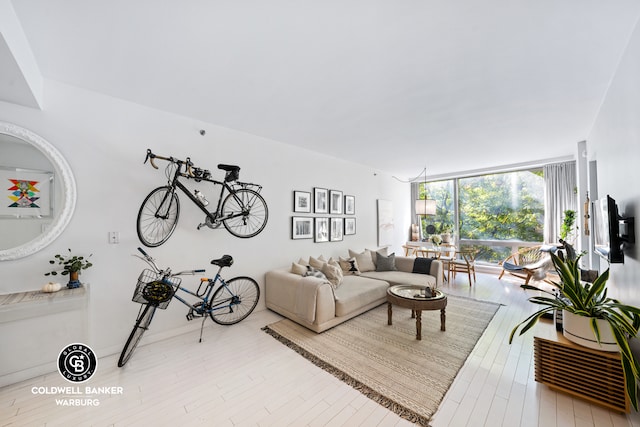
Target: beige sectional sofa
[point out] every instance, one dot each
(319, 304)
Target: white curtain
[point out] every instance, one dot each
(559, 196)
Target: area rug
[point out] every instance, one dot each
(387, 363)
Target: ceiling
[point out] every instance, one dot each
(396, 85)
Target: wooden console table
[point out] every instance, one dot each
(593, 375)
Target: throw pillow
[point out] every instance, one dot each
(364, 259)
(298, 268)
(315, 273)
(333, 273)
(303, 262)
(349, 266)
(381, 251)
(386, 263)
(317, 263)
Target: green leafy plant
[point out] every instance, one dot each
(446, 229)
(69, 263)
(590, 300)
(567, 228)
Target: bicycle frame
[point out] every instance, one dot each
(206, 297)
(212, 215)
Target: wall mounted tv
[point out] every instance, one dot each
(611, 231)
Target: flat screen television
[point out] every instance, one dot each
(610, 230)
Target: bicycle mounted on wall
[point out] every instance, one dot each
(243, 211)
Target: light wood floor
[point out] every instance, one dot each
(240, 376)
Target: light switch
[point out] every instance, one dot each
(114, 237)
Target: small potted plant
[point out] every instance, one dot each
(446, 233)
(589, 301)
(436, 239)
(70, 265)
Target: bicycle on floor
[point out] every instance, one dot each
(240, 207)
(227, 304)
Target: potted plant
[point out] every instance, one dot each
(71, 265)
(436, 239)
(567, 228)
(446, 233)
(590, 301)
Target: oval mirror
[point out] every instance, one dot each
(37, 195)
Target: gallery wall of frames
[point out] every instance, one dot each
(328, 215)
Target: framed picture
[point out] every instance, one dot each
(385, 223)
(302, 201)
(321, 200)
(26, 193)
(335, 198)
(349, 226)
(337, 229)
(301, 227)
(321, 230)
(349, 205)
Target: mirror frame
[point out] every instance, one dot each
(63, 177)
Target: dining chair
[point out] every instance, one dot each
(447, 256)
(409, 250)
(465, 264)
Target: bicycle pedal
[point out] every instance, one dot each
(189, 316)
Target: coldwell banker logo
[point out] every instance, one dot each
(77, 363)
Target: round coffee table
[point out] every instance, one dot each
(411, 296)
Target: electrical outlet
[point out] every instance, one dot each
(114, 237)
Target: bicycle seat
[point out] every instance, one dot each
(233, 172)
(229, 168)
(225, 261)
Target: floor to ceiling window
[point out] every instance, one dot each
(494, 213)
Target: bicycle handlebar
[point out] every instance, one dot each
(192, 272)
(152, 262)
(150, 156)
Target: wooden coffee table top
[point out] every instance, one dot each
(411, 296)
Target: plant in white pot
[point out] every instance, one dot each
(590, 301)
(446, 233)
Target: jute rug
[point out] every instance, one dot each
(387, 363)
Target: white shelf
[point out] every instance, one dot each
(25, 305)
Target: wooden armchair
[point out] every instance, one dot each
(527, 263)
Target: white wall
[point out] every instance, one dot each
(105, 140)
(614, 143)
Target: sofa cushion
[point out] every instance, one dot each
(402, 278)
(298, 269)
(385, 263)
(374, 252)
(364, 259)
(349, 266)
(358, 291)
(317, 263)
(333, 273)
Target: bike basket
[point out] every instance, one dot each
(152, 289)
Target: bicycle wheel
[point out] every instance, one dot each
(142, 324)
(158, 216)
(251, 210)
(234, 302)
